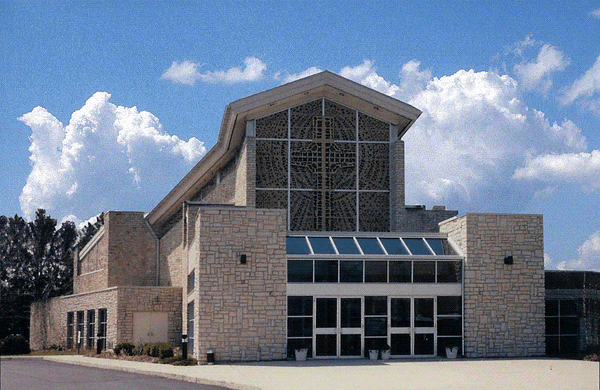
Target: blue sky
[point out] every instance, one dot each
(106, 105)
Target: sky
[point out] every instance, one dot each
(107, 105)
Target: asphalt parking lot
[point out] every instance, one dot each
(465, 374)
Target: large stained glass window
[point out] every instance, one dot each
(327, 164)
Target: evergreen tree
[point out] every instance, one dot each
(36, 263)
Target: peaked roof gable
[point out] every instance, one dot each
(233, 125)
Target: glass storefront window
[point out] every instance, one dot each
(451, 305)
(400, 312)
(449, 271)
(300, 271)
(423, 312)
(326, 271)
(424, 272)
(375, 271)
(351, 271)
(400, 271)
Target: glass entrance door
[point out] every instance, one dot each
(424, 327)
(338, 327)
(412, 326)
(350, 327)
(326, 327)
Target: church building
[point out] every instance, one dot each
(293, 233)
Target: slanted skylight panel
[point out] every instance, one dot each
(436, 245)
(394, 246)
(370, 246)
(350, 246)
(346, 246)
(417, 246)
(321, 246)
(297, 246)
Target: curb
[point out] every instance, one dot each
(144, 371)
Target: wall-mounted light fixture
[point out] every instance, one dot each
(508, 260)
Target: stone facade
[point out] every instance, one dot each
(123, 253)
(217, 242)
(418, 219)
(48, 321)
(240, 309)
(503, 283)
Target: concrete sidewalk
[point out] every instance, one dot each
(493, 374)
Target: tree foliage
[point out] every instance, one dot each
(36, 263)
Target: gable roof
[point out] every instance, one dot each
(233, 126)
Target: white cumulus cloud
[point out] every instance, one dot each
(588, 256)
(186, 72)
(596, 13)
(366, 74)
(579, 168)
(586, 86)
(474, 132)
(537, 74)
(107, 157)
(305, 73)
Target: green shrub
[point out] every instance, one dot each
(14, 345)
(160, 350)
(126, 348)
(140, 349)
(186, 362)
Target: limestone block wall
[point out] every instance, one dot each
(91, 265)
(48, 321)
(397, 191)
(418, 219)
(240, 309)
(132, 250)
(172, 255)
(503, 303)
(246, 174)
(148, 299)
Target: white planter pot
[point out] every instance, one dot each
(301, 354)
(451, 352)
(373, 354)
(386, 355)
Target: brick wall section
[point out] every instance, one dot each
(240, 308)
(148, 299)
(421, 220)
(172, 255)
(48, 321)
(246, 182)
(504, 304)
(93, 267)
(131, 250)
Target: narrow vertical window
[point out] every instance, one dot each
(91, 328)
(190, 327)
(70, 325)
(102, 327)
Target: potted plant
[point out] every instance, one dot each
(386, 352)
(451, 353)
(373, 354)
(301, 354)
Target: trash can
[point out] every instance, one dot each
(210, 357)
